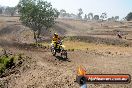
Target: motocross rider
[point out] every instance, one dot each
(55, 40)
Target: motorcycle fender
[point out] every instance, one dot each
(63, 46)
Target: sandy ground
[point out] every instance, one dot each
(46, 71)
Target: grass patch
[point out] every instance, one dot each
(99, 40)
(45, 44)
(40, 44)
(6, 62)
(77, 45)
(72, 45)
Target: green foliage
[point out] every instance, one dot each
(36, 45)
(2, 68)
(10, 62)
(3, 59)
(129, 16)
(37, 14)
(6, 62)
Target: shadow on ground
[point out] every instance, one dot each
(22, 46)
(62, 59)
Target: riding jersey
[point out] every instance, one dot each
(55, 39)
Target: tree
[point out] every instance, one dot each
(85, 17)
(68, 15)
(37, 14)
(116, 18)
(80, 13)
(96, 17)
(73, 16)
(10, 10)
(90, 16)
(129, 16)
(113, 18)
(103, 16)
(62, 13)
(1, 9)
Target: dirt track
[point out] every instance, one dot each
(46, 71)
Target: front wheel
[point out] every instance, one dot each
(64, 54)
(53, 51)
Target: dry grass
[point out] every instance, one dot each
(2, 23)
(10, 19)
(77, 45)
(98, 48)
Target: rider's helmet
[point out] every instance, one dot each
(55, 34)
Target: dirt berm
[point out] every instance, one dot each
(98, 40)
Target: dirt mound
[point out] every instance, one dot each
(22, 64)
(98, 40)
(8, 30)
(23, 46)
(10, 64)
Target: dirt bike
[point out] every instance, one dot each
(119, 36)
(59, 48)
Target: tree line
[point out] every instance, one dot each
(10, 11)
(89, 16)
